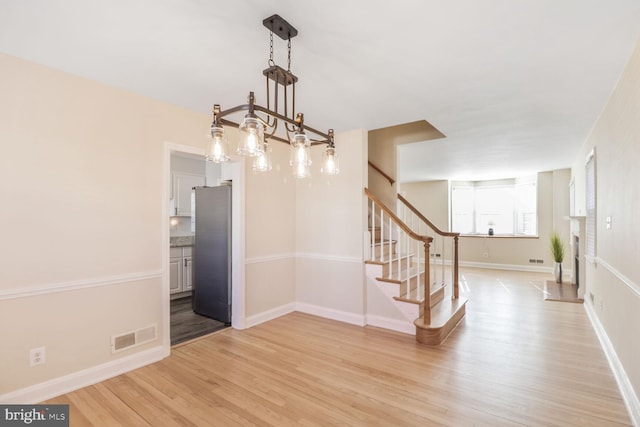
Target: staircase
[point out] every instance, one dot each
(409, 262)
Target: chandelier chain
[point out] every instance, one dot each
(289, 55)
(271, 62)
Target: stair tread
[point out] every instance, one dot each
(442, 312)
(393, 259)
(404, 275)
(383, 242)
(412, 295)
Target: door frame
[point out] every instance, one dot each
(234, 171)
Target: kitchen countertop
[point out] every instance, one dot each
(180, 241)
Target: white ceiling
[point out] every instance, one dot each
(515, 85)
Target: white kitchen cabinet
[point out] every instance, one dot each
(180, 270)
(182, 186)
(175, 275)
(187, 268)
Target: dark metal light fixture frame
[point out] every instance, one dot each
(281, 80)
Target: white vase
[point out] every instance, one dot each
(557, 272)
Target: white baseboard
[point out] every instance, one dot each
(330, 313)
(68, 383)
(403, 326)
(626, 389)
(512, 267)
(265, 316)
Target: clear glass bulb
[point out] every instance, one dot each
(218, 149)
(330, 163)
(262, 162)
(301, 170)
(251, 137)
(300, 149)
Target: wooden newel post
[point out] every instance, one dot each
(456, 292)
(427, 288)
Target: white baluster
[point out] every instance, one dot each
(419, 281)
(399, 249)
(390, 241)
(373, 230)
(381, 235)
(408, 250)
(442, 277)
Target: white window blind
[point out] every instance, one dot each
(507, 206)
(590, 169)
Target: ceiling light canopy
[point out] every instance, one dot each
(278, 121)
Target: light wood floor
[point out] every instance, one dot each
(515, 360)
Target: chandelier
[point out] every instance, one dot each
(278, 121)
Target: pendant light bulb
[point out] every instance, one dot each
(330, 163)
(218, 149)
(262, 162)
(251, 137)
(301, 170)
(300, 149)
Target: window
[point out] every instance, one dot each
(508, 206)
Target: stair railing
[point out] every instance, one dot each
(421, 225)
(381, 172)
(400, 249)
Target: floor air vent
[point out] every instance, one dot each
(133, 339)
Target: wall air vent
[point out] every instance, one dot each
(133, 338)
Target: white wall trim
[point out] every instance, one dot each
(269, 258)
(403, 326)
(271, 314)
(74, 285)
(86, 377)
(626, 389)
(330, 313)
(325, 257)
(635, 288)
(314, 256)
(512, 267)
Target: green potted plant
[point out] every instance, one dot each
(557, 250)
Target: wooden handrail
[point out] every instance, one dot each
(397, 220)
(377, 169)
(426, 240)
(425, 220)
(456, 292)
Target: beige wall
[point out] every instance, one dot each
(270, 236)
(613, 279)
(330, 219)
(382, 152)
(432, 198)
(82, 172)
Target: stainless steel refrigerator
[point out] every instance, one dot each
(212, 253)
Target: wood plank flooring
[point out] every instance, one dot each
(514, 360)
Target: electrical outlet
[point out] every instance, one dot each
(37, 356)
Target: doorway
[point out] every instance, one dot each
(180, 322)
